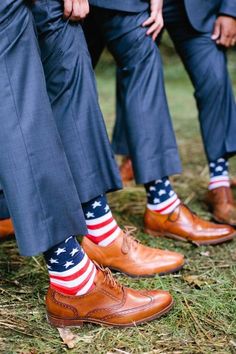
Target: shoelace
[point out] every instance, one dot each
(109, 279)
(129, 240)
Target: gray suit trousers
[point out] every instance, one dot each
(73, 96)
(34, 171)
(206, 65)
(89, 163)
(144, 111)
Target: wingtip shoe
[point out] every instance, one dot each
(129, 256)
(108, 303)
(182, 224)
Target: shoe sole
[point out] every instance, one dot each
(175, 270)
(196, 243)
(59, 323)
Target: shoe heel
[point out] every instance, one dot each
(153, 233)
(61, 323)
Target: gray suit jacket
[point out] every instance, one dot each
(202, 13)
(122, 5)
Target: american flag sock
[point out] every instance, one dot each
(219, 175)
(70, 270)
(161, 197)
(102, 227)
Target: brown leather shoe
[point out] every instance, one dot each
(222, 205)
(126, 170)
(128, 256)
(183, 224)
(6, 229)
(108, 303)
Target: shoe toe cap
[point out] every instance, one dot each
(162, 299)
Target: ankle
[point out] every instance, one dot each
(161, 197)
(219, 176)
(102, 227)
(71, 272)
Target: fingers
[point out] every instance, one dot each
(224, 40)
(155, 29)
(155, 25)
(227, 40)
(68, 5)
(216, 32)
(76, 10)
(225, 31)
(149, 21)
(155, 34)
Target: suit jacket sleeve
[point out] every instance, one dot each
(228, 7)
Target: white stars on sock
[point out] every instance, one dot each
(68, 264)
(106, 208)
(161, 197)
(69, 238)
(167, 183)
(60, 250)
(74, 251)
(52, 261)
(96, 204)
(219, 176)
(89, 215)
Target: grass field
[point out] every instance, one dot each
(204, 317)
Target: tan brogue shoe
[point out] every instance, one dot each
(183, 224)
(222, 205)
(6, 229)
(126, 170)
(108, 303)
(130, 257)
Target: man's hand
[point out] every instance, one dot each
(76, 10)
(224, 32)
(155, 21)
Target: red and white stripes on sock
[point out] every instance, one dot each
(104, 230)
(167, 206)
(219, 176)
(102, 227)
(161, 197)
(71, 272)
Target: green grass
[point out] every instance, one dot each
(204, 317)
